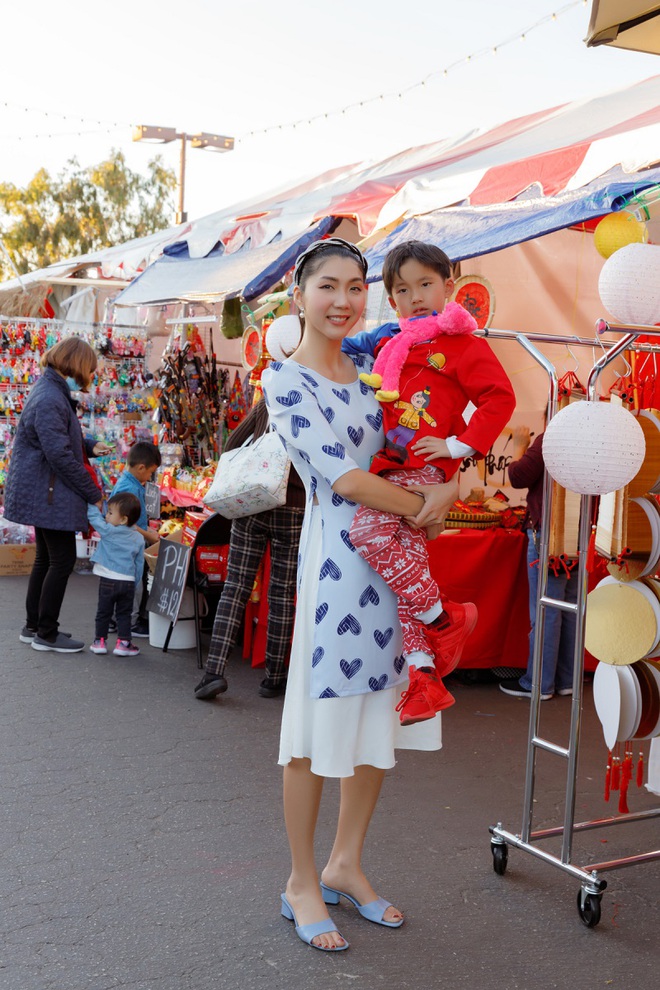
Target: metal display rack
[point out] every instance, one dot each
(591, 885)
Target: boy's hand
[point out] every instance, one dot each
(438, 500)
(431, 448)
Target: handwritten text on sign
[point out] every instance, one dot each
(169, 579)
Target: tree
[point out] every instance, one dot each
(82, 210)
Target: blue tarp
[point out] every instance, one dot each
(468, 231)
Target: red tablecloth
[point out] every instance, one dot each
(487, 567)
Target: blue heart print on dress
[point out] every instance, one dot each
(357, 436)
(350, 669)
(383, 638)
(398, 664)
(312, 486)
(329, 413)
(378, 685)
(317, 656)
(369, 595)
(305, 456)
(292, 398)
(347, 540)
(275, 365)
(375, 420)
(337, 450)
(298, 423)
(337, 499)
(308, 378)
(328, 693)
(321, 612)
(343, 394)
(364, 388)
(349, 624)
(330, 569)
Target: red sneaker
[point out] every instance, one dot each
(426, 695)
(447, 635)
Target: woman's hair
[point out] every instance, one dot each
(426, 254)
(73, 358)
(311, 259)
(128, 505)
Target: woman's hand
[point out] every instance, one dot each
(521, 441)
(438, 500)
(100, 448)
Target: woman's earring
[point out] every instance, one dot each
(301, 312)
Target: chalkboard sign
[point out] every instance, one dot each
(169, 580)
(152, 498)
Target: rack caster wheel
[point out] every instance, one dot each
(588, 906)
(500, 852)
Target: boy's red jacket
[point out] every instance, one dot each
(447, 373)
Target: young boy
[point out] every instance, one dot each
(119, 562)
(426, 438)
(141, 464)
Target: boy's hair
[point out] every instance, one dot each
(144, 453)
(73, 357)
(426, 254)
(128, 505)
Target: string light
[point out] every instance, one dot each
(492, 50)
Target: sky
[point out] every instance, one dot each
(76, 78)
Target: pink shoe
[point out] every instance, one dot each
(447, 635)
(425, 697)
(125, 648)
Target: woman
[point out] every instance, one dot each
(346, 673)
(49, 487)
(247, 544)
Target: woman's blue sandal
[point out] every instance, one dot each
(308, 932)
(373, 911)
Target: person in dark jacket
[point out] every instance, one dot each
(247, 544)
(49, 487)
(526, 471)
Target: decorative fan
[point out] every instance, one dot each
(251, 347)
(476, 295)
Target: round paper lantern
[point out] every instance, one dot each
(282, 337)
(629, 284)
(593, 447)
(616, 230)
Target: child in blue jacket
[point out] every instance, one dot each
(119, 562)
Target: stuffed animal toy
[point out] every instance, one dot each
(386, 371)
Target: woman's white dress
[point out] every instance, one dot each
(346, 672)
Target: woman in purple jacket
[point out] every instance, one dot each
(49, 487)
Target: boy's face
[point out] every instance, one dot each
(114, 516)
(418, 290)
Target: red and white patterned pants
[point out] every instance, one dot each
(398, 553)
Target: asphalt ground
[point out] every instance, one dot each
(142, 843)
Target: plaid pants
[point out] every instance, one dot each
(247, 546)
(398, 553)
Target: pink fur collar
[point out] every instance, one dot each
(454, 319)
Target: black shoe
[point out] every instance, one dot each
(210, 685)
(141, 629)
(61, 644)
(27, 634)
(271, 689)
(112, 626)
(511, 685)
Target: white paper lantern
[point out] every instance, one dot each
(593, 447)
(283, 336)
(629, 284)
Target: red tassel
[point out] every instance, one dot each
(591, 551)
(640, 769)
(608, 777)
(616, 774)
(626, 777)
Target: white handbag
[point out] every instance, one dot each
(252, 478)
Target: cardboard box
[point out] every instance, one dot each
(16, 559)
(151, 552)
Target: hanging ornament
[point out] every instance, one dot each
(617, 230)
(629, 284)
(593, 447)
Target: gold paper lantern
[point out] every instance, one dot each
(616, 231)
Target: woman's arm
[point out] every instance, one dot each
(378, 493)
